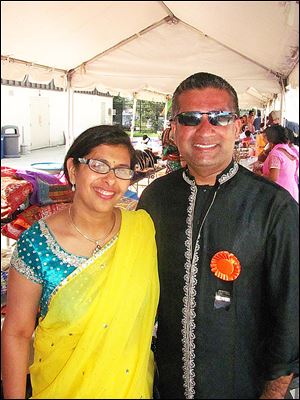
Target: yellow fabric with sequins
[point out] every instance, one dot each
(95, 340)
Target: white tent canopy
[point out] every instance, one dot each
(147, 48)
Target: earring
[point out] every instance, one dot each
(73, 187)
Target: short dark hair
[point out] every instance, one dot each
(291, 135)
(95, 136)
(277, 134)
(203, 80)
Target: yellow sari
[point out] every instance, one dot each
(95, 339)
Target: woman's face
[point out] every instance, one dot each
(100, 192)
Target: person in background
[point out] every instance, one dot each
(228, 260)
(250, 121)
(281, 165)
(248, 139)
(257, 121)
(170, 152)
(292, 142)
(295, 149)
(294, 128)
(146, 140)
(274, 118)
(243, 120)
(92, 271)
(260, 140)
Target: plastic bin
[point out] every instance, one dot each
(11, 141)
(2, 146)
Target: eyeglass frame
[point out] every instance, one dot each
(83, 160)
(210, 114)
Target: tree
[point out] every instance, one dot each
(148, 113)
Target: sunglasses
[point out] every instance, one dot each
(216, 118)
(102, 167)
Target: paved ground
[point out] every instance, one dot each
(48, 154)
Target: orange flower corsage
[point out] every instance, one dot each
(225, 266)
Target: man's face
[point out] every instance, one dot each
(206, 148)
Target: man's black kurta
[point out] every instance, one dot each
(208, 346)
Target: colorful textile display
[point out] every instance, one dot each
(47, 188)
(26, 218)
(14, 192)
(53, 193)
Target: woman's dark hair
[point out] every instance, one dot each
(203, 80)
(95, 136)
(291, 136)
(277, 134)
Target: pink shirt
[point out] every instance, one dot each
(288, 177)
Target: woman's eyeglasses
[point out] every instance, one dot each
(216, 118)
(102, 167)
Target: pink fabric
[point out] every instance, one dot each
(287, 168)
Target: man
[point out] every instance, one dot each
(274, 118)
(228, 260)
(257, 121)
(250, 121)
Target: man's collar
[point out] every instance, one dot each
(223, 177)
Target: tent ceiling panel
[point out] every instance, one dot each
(136, 47)
(144, 64)
(293, 78)
(265, 31)
(64, 34)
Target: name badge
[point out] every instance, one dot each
(222, 299)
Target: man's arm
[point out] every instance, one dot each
(277, 388)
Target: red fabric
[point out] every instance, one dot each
(14, 192)
(26, 218)
(7, 171)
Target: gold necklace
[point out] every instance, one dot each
(98, 246)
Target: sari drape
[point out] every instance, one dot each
(95, 340)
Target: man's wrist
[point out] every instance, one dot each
(277, 388)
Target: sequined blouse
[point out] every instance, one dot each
(42, 260)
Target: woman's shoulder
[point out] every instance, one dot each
(32, 231)
(138, 219)
(136, 215)
(30, 240)
(282, 151)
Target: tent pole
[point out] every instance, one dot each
(166, 113)
(133, 116)
(267, 112)
(282, 102)
(70, 113)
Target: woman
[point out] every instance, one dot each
(92, 269)
(295, 149)
(281, 165)
(170, 152)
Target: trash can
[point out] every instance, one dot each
(2, 146)
(11, 141)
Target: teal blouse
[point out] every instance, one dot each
(42, 260)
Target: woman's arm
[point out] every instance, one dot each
(23, 298)
(264, 154)
(273, 174)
